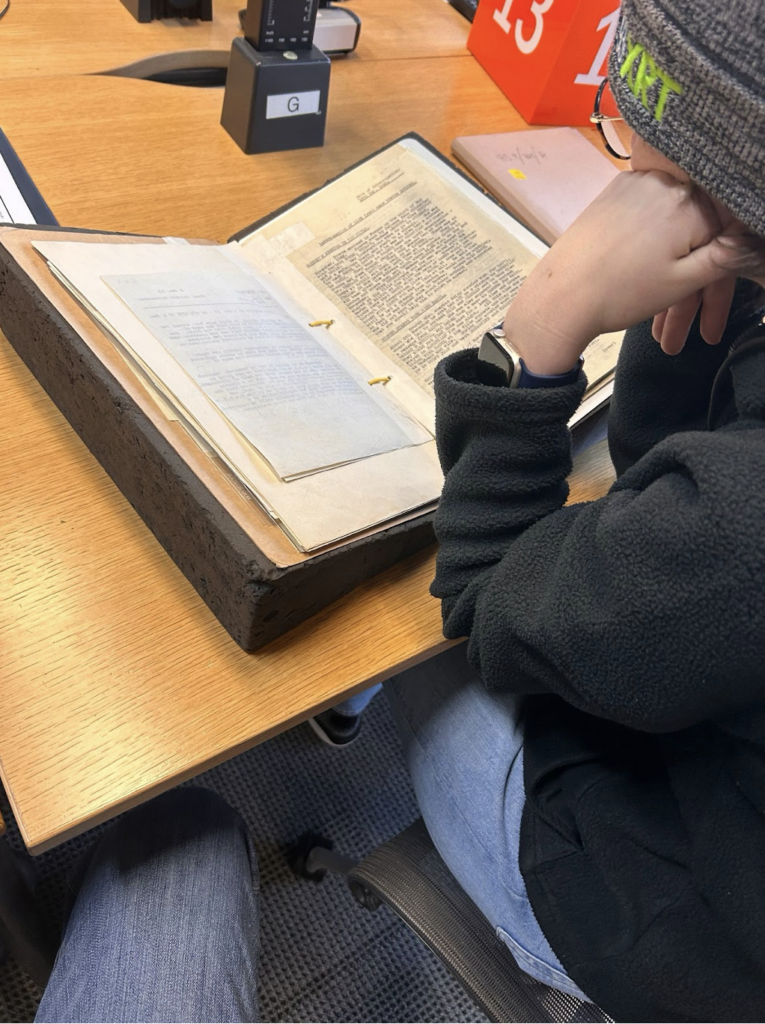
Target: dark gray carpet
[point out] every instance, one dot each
(323, 957)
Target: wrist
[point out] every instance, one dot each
(547, 348)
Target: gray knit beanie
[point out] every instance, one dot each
(689, 78)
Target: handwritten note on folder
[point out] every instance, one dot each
(544, 177)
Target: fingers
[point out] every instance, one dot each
(677, 323)
(743, 254)
(671, 327)
(658, 325)
(706, 275)
(713, 261)
(715, 306)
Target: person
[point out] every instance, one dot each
(340, 725)
(592, 767)
(165, 923)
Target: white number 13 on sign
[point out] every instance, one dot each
(538, 9)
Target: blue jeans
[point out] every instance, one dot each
(356, 704)
(165, 923)
(464, 750)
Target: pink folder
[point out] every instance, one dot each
(545, 178)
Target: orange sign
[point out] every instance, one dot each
(547, 56)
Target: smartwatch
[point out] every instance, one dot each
(499, 365)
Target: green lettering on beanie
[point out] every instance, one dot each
(642, 78)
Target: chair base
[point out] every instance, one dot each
(407, 874)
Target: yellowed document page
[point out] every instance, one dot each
(411, 261)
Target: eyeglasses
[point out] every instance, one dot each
(614, 130)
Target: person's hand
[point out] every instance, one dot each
(670, 327)
(647, 245)
(745, 256)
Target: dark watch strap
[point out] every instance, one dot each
(528, 379)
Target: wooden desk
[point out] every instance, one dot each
(98, 148)
(78, 37)
(117, 682)
(81, 37)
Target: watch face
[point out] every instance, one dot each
(496, 365)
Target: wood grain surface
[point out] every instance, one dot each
(80, 37)
(117, 682)
(126, 155)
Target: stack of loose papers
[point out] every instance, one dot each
(273, 380)
(284, 407)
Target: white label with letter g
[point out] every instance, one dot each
(290, 104)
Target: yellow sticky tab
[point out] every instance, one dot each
(517, 174)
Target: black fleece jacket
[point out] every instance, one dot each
(636, 623)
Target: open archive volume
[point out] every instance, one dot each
(300, 355)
